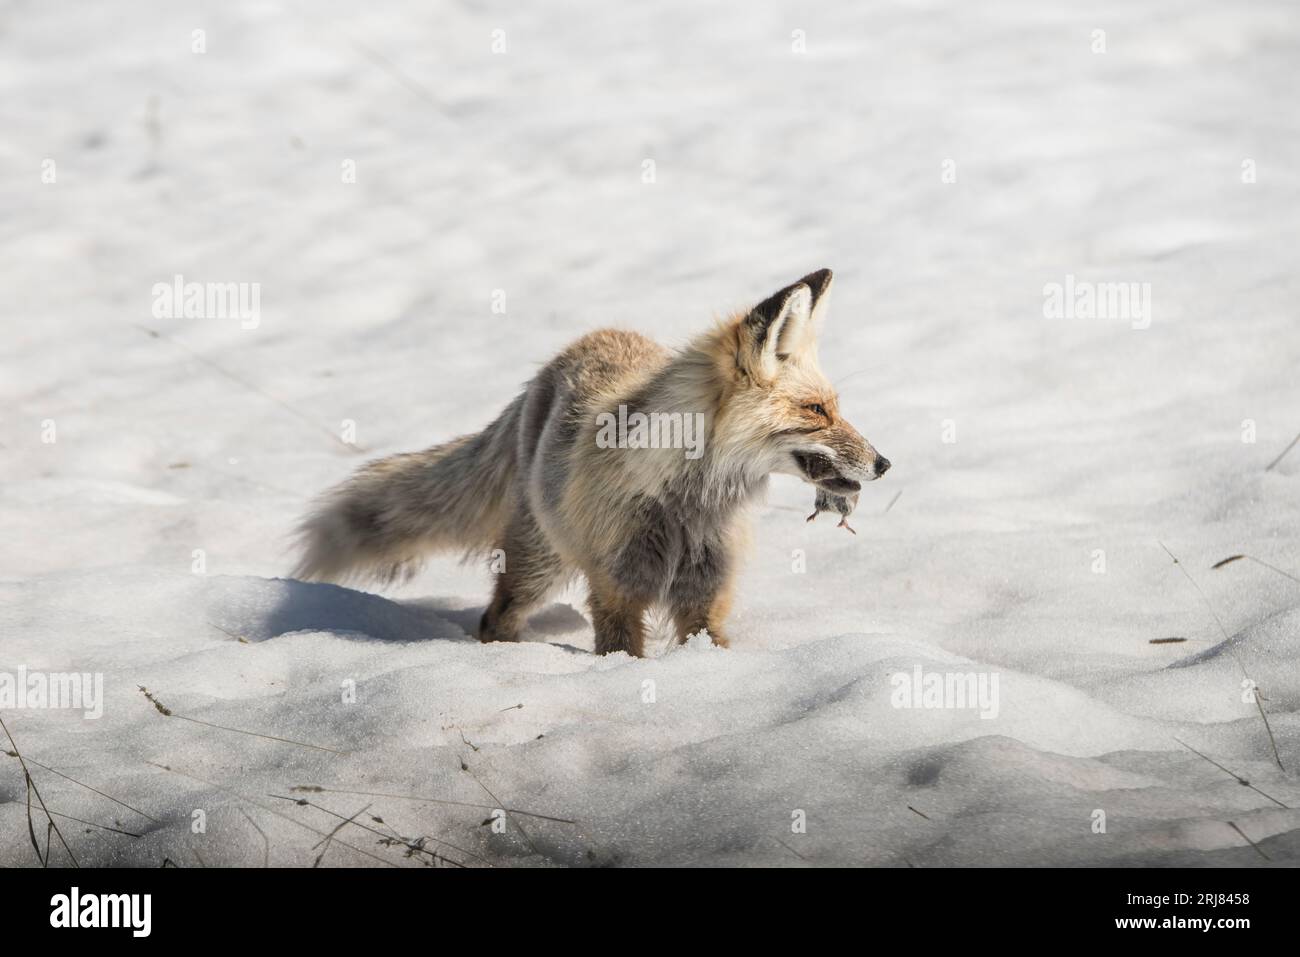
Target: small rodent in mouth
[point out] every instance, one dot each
(830, 502)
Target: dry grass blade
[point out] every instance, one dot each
(317, 789)
(466, 768)
(46, 767)
(31, 829)
(326, 840)
(1272, 742)
(1258, 561)
(169, 713)
(1259, 850)
(417, 846)
(266, 841)
(410, 845)
(229, 634)
(102, 827)
(33, 790)
(1213, 614)
(1233, 774)
(1268, 728)
(270, 810)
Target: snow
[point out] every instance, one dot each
(1029, 548)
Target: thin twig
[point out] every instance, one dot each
(789, 848)
(1270, 465)
(393, 70)
(251, 387)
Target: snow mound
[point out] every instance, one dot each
(789, 755)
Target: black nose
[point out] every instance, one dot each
(882, 465)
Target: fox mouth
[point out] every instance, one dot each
(820, 471)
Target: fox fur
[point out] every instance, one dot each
(649, 528)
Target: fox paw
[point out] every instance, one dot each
(489, 630)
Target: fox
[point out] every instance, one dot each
(650, 527)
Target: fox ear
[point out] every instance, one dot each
(774, 328)
(820, 284)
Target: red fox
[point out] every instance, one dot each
(648, 523)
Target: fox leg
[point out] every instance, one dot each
(532, 570)
(617, 619)
(701, 596)
(691, 621)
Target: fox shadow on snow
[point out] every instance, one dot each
(260, 609)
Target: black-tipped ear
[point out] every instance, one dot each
(820, 284)
(774, 326)
(772, 311)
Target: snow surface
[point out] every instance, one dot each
(522, 172)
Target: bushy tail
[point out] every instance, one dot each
(380, 523)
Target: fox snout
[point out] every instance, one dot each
(841, 470)
(840, 460)
(854, 457)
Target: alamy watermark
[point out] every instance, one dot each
(42, 690)
(179, 299)
(653, 430)
(75, 909)
(952, 690)
(1080, 299)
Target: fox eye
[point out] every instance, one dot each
(816, 407)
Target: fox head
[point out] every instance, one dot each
(783, 414)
